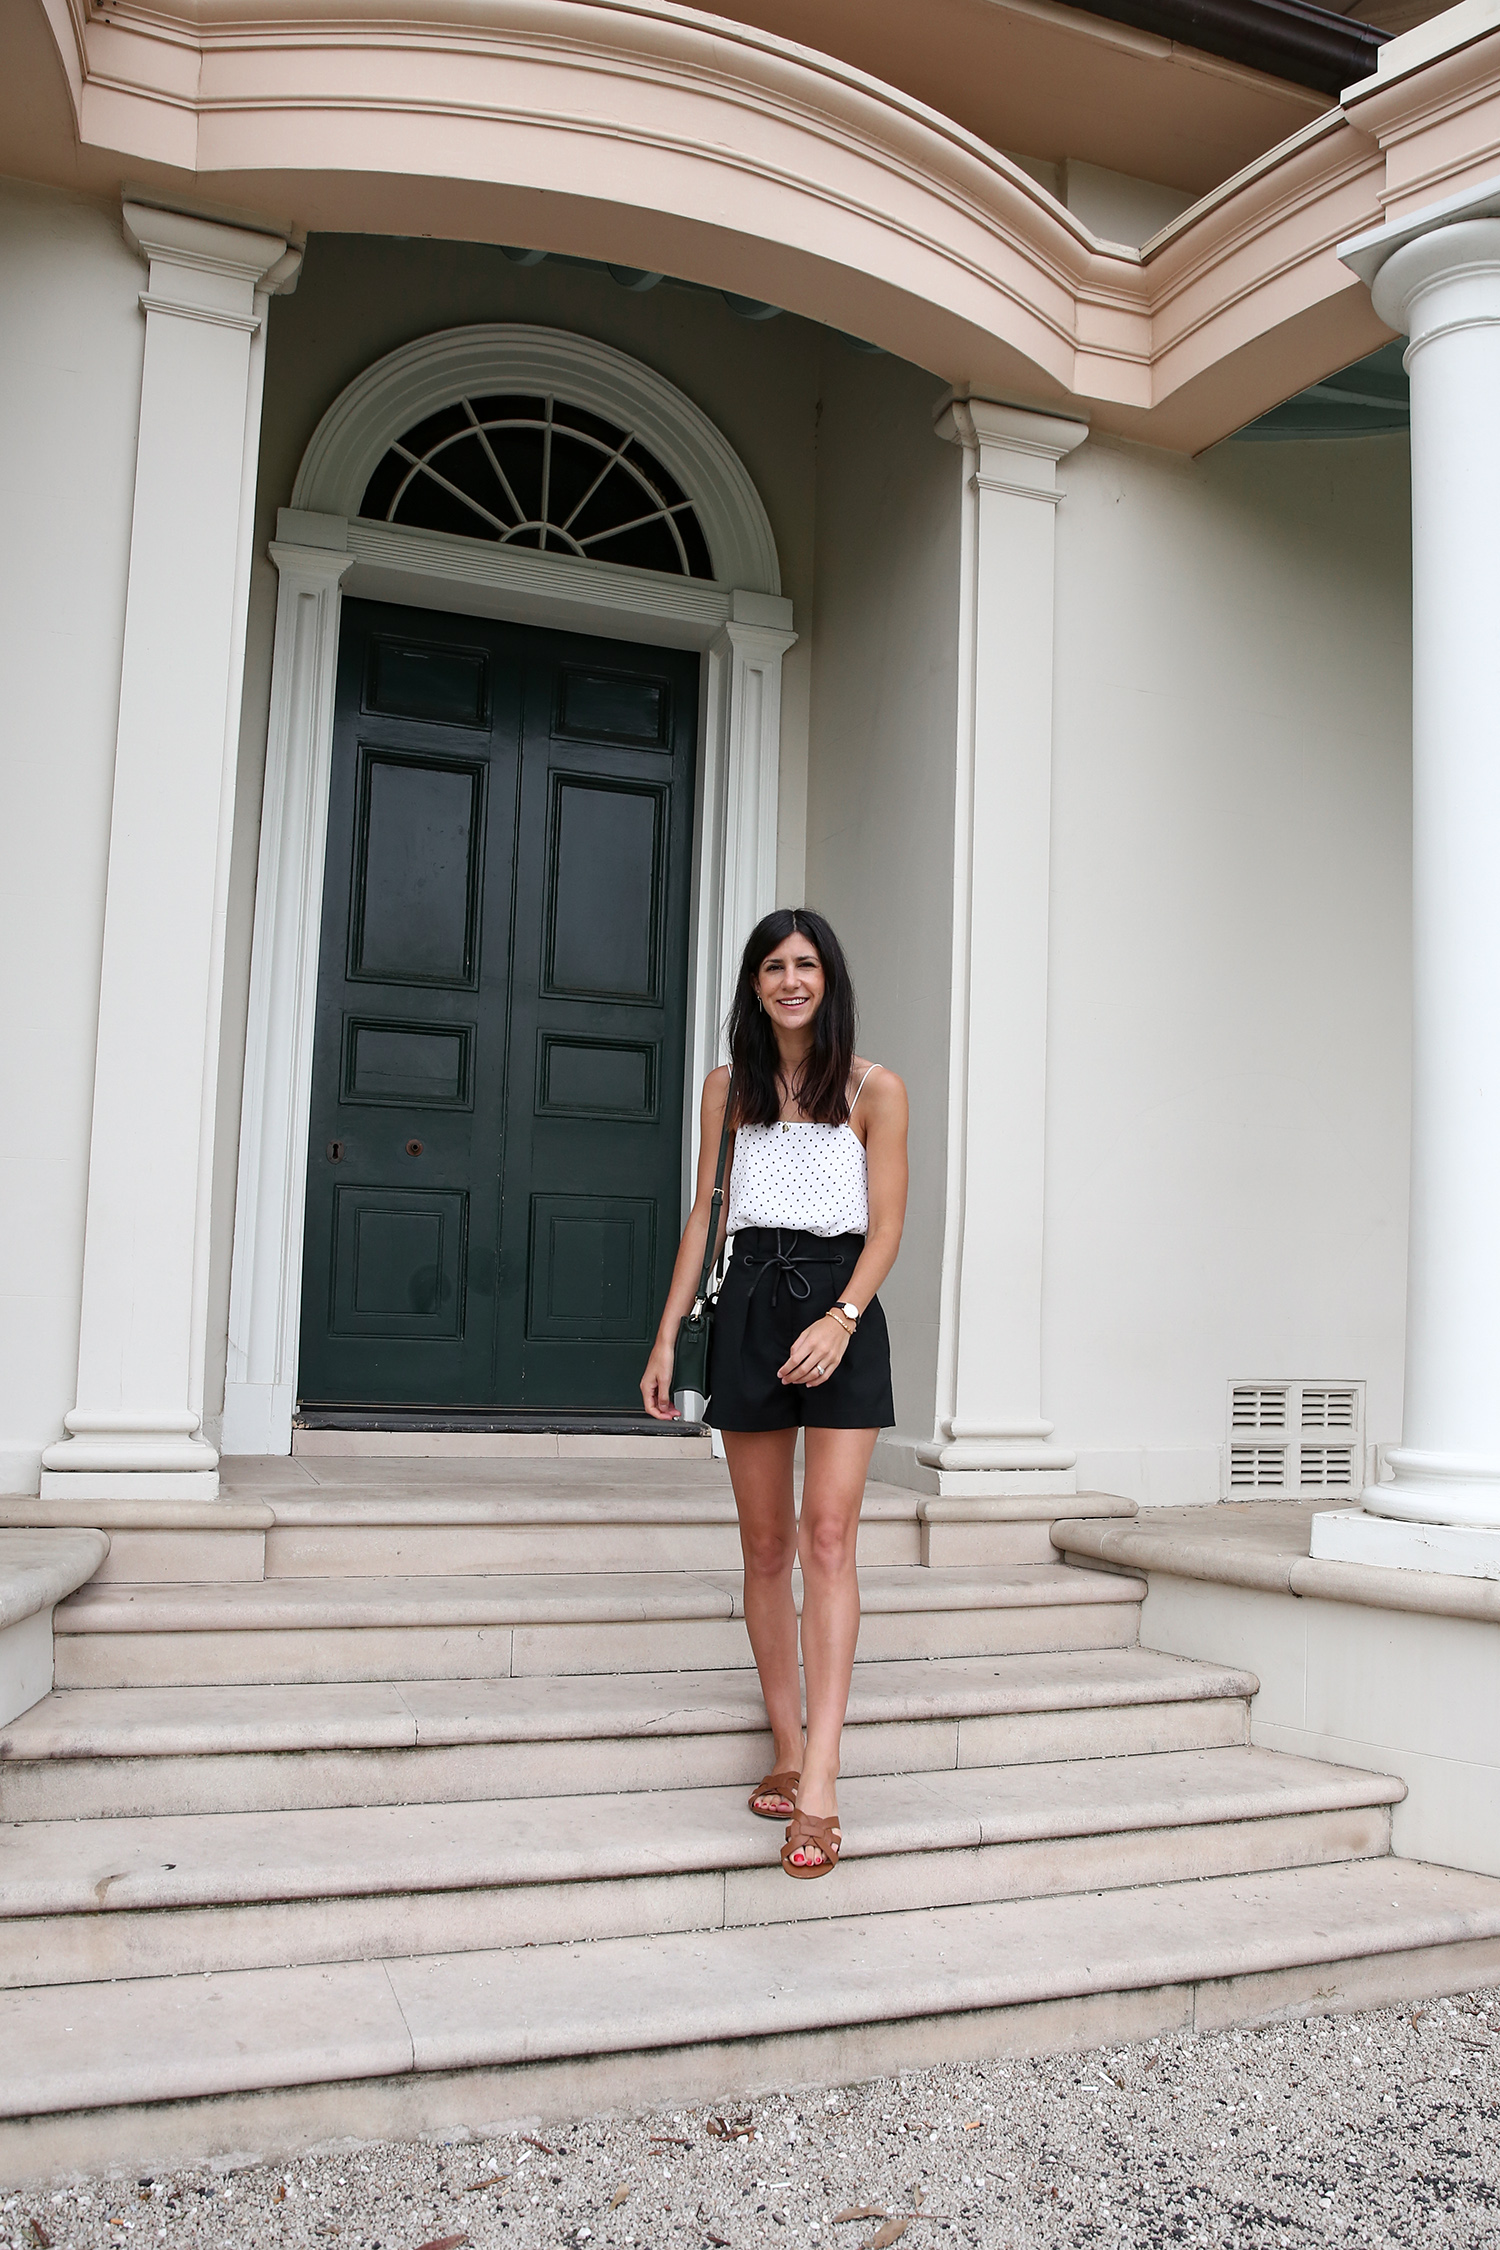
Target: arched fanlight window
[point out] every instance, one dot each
(538, 472)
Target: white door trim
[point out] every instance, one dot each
(743, 631)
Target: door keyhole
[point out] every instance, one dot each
(413, 1148)
(335, 1152)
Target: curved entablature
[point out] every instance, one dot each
(643, 134)
(654, 137)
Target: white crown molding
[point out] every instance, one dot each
(512, 356)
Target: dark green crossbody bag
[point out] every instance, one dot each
(690, 1360)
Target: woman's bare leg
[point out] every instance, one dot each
(760, 1469)
(833, 1488)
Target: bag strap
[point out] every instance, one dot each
(711, 1247)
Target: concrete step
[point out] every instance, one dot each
(81, 1900)
(429, 1628)
(149, 2071)
(88, 1752)
(37, 1569)
(369, 1518)
(576, 1526)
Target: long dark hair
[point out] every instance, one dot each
(823, 1090)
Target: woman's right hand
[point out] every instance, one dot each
(656, 1384)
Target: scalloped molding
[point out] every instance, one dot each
(509, 356)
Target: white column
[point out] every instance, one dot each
(1441, 287)
(737, 813)
(136, 1428)
(992, 1433)
(260, 1389)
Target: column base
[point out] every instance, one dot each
(999, 1448)
(1388, 1543)
(130, 1484)
(962, 1467)
(1438, 1488)
(128, 1453)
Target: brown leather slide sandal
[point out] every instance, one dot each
(775, 1785)
(806, 1828)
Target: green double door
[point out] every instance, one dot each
(494, 1168)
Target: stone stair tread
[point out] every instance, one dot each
(588, 1505)
(372, 1715)
(168, 1861)
(356, 1479)
(162, 2039)
(570, 1598)
(394, 1475)
(39, 1567)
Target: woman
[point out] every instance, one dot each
(817, 1197)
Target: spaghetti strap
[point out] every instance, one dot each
(859, 1089)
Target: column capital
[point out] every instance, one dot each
(1441, 282)
(310, 566)
(753, 644)
(758, 629)
(202, 270)
(1018, 449)
(1396, 261)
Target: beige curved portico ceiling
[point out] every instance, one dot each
(653, 136)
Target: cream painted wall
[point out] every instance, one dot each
(1229, 1044)
(359, 297)
(881, 775)
(70, 386)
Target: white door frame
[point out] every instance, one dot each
(322, 550)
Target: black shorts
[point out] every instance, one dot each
(778, 1283)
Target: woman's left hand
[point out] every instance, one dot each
(816, 1353)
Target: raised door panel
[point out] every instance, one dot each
(594, 1129)
(590, 1268)
(418, 870)
(399, 1262)
(410, 1055)
(607, 894)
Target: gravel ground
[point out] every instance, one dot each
(1371, 2129)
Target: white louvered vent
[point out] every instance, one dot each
(1330, 1406)
(1257, 1468)
(1326, 1468)
(1258, 1406)
(1295, 1439)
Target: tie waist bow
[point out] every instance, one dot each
(786, 1262)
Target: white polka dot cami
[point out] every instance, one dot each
(813, 1178)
